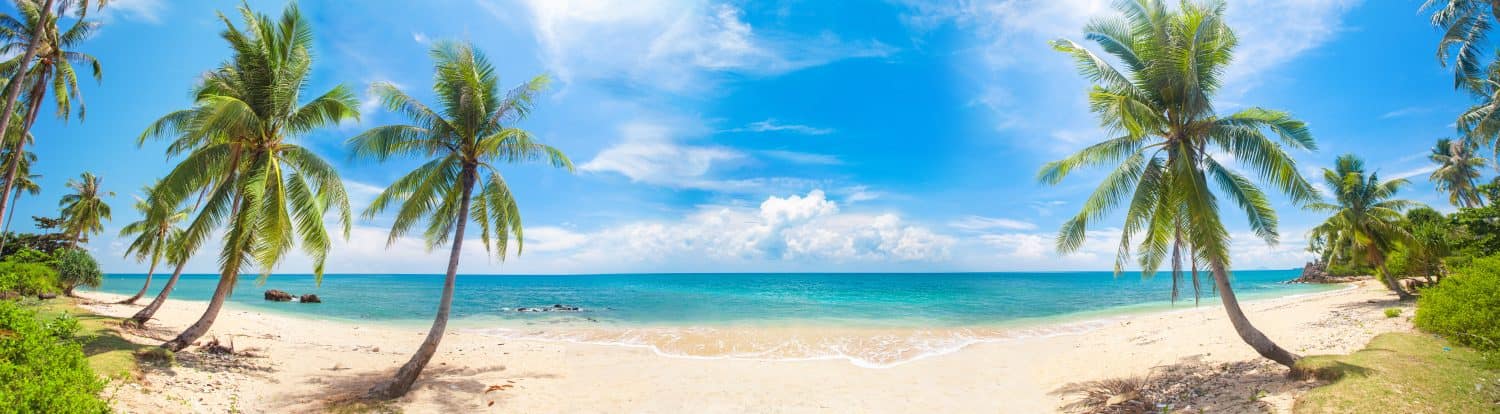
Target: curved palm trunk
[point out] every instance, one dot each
(145, 314)
(142, 292)
(38, 91)
(408, 373)
(221, 294)
(1242, 326)
(5, 233)
(1393, 284)
(13, 91)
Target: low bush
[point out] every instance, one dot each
(27, 279)
(76, 268)
(42, 369)
(1392, 312)
(1465, 307)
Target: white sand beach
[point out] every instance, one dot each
(303, 364)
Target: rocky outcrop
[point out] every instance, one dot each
(1317, 272)
(554, 308)
(309, 298)
(278, 296)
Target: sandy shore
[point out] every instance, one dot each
(300, 364)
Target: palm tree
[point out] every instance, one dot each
(84, 211)
(1366, 222)
(464, 138)
(175, 255)
(267, 193)
(1458, 171)
(48, 59)
(25, 181)
(1465, 24)
(157, 225)
(1168, 143)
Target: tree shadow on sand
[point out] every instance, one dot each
(452, 388)
(1188, 386)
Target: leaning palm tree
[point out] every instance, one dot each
(47, 63)
(84, 211)
(1168, 144)
(464, 139)
(25, 182)
(1458, 171)
(264, 192)
(1366, 221)
(157, 225)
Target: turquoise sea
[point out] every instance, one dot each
(873, 320)
(885, 300)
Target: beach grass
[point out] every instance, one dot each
(1402, 373)
(109, 354)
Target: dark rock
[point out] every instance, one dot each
(1317, 272)
(278, 296)
(9, 295)
(554, 308)
(45, 296)
(309, 298)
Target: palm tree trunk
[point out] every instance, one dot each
(1242, 326)
(38, 91)
(1392, 283)
(407, 375)
(5, 233)
(13, 91)
(1197, 289)
(142, 292)
(227, 279)
(146, 313)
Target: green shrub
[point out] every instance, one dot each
(27, 279)
(1392, 312)
(1465, 307)
(76, 268)
(43, 369)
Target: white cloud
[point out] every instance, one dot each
(770, 125)
(1410, 110)
(148, 11)
(420, 37)
(651, 153)
(980, 223)
(803, 157)
(672, 44)
(1428, 169)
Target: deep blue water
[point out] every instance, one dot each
(945, 299)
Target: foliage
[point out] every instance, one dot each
(84, 211)
(45, 370)
(1400, 373)
(1476, 231)
(156, 231)
(1365, 223)
(1457, 172)
(265, 192)
(44, 242)
(28, 279)
(75, 267)
(1465, 307)
(1392, 312)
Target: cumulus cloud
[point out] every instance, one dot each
(672, 44)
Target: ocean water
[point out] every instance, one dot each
(869, 319)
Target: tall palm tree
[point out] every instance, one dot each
(157, 225)
(1168, 142)
(1465, 25)
(464, 139)
(176, 255)
(48, 61)
(266, 192)
(1366, 221)
(84, 211)
(1457, 172)
(25, 180)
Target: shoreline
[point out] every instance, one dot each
(303, 364)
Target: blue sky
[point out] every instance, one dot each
(895, 135)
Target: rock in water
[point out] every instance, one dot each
(310, 298)
(278, 296)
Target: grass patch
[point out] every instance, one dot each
(1402, 373)
(110, 355)
(1392, 312)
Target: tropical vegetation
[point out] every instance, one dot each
(153, 232)
(1366, 222)
(45, 369)
(84, 211)
(1167, 143)
(463, 139)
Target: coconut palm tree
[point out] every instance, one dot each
(48, 61)
(1457, 172)
(84, 211)
(1366, 221)
(176, 255)
(463, 139)
(1168, 144)
(157, 225)
(266, 193)
(1465, 25)
(25, 182)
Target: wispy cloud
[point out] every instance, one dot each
(1407, 111)
(803, 157)
(770, 125)
(149, 11)
(981, 223)
(1415, 172)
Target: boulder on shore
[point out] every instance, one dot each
(309, 298)
(278, 296)
(45, 296)
(1317, 272)
(558, 307)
